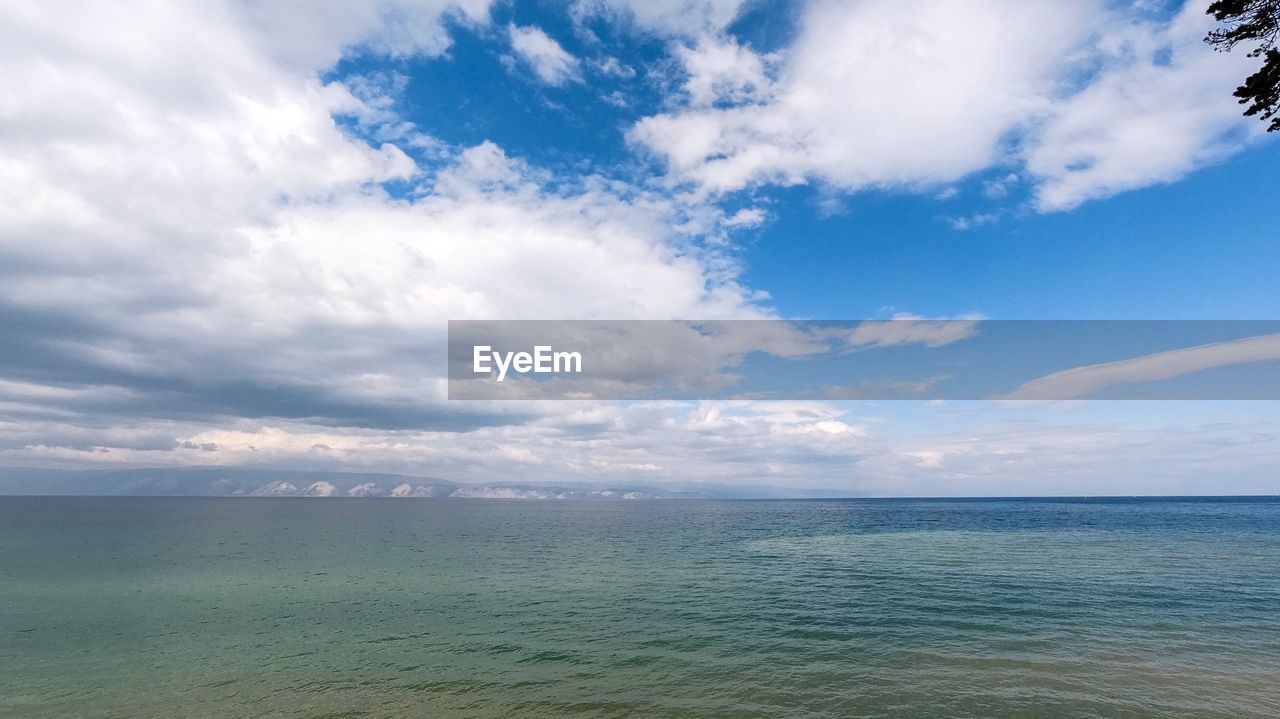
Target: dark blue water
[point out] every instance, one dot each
(178, 607)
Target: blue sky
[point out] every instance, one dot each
(1171, 252)
(1195, 247)
(236, 230)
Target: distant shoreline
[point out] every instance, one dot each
(537, 500)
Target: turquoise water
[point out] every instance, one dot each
(178, 607)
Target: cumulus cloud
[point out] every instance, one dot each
(723, 71)
(1159, 108)
(1092, 100)
(878, 93)
(550, 62)
(191, 235)
(314, 33)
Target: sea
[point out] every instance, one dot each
(342, 608)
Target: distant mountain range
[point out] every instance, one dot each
(241, 482)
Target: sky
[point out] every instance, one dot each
(232, 232)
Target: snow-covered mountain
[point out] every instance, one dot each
(278, 488)
(245, 482)
(214, 482)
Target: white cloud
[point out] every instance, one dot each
(550, 62)
(969, 222)
(187, 226)
(314, 33)
(1092, 100)
(1160, 108)
(678, 18)
(611, 67)
(999, 187)
(879, 93)
(746, 217)
(721, 70)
